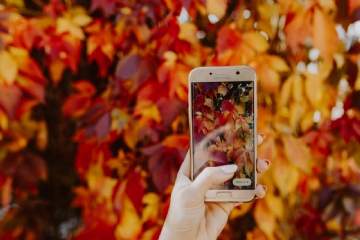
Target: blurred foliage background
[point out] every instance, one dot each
(93, 113)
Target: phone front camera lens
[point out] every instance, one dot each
(237, 72)
(210, 73)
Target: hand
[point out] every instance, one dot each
(189, 217)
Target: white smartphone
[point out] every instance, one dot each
(223, 128)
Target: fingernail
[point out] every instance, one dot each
(229, 168)
(263, 135)
(267, 162)
(264, 187)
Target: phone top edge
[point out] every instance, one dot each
(222, 73)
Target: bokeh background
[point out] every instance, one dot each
(93, 113)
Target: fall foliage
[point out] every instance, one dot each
(94, 113)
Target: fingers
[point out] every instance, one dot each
(261, 138)
(262, 165)
(185, 166)
(260, 191)
(209, 177)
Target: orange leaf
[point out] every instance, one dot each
(56, 69)
(6, 192)
(265, 219)
(298, 30)
(177, 141)
(285, 175)
(216, 7)
(85, 87)
(297, 153)
(324, 34)
(255, 41)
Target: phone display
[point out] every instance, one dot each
(222, 115)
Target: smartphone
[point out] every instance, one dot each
(223, 128)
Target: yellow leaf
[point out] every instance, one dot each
(285, 175)
(81, 20)
(216, 7)
(131, 134)
(97, 182)
(285, 92)
(188, 32)
(298, 88)
(8, 67)
(278, 63)
(148, 110)
(152, 207)
(297, 153)
(307, 121)
(150, 233)
(268, 10)
(240, 108)
(17, 3)
(265, 220)
(297, 111)
(130, 225)
(255, 41)
(275, 204)
(64, 25)
(313, 89)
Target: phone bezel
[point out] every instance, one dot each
(202, 74)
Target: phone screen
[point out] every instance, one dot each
(223, 130)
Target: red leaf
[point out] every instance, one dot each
(98, 230)
(10, 98)
(24, 169)
(25, 106)
(76, 105)
(165, 159)
(135, 189)
(127, 66)
(163, 168)
(226, 105)
(227, 39)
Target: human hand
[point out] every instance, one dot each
(189, 216)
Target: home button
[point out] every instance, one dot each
(223, 195)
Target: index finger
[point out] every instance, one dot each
(185, 166)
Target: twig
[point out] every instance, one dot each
(68, 4)
(39, 3)
(27, 11)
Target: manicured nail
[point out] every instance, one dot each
(229, 168)
(263, 135)
(264, 187)
(267, 162)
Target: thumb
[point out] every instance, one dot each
(209, 177)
